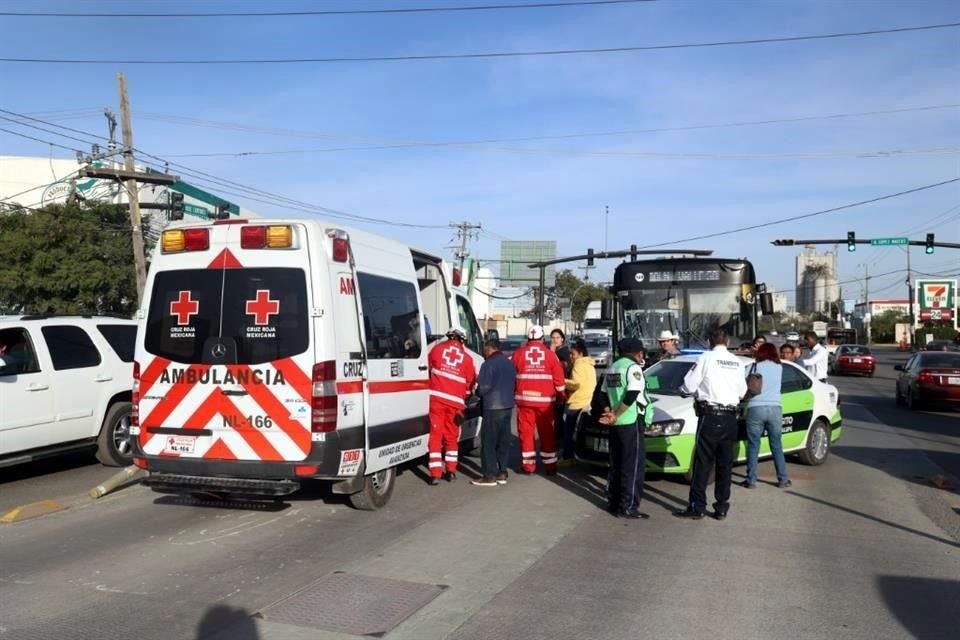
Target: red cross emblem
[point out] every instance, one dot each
(184, 307)
(452, 356)
(536, 357)
(262, 307)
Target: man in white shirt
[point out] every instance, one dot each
(816, 361)
(717, 383)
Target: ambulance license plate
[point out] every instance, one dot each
(953, 380)
(180, 444)
(601, 445)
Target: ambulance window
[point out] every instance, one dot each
(184, 313)
(469, 324)
(265, 312)
(391, 317)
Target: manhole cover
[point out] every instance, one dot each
(352, 604)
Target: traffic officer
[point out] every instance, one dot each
(628, 412)
(452, 378)
(540, 385)
(717, 383)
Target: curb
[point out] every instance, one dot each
(31, 510)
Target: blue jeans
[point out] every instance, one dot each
(769, 419)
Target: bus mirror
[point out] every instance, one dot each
(766, 303)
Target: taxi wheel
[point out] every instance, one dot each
(817, 448)
(113, 444)
(376, 492)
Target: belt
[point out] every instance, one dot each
(708, 407)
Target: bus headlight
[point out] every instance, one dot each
(664, 428)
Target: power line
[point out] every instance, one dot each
(804, 216)
(488, 54)
(328, 12)
(403, 144)
(305, 206)
(23, 135)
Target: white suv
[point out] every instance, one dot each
(65, 384)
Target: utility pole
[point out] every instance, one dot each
(606, 227)
(465, 231)
(910, 299)
(868, 315)
(139, 260)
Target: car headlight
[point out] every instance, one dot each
(664, 428)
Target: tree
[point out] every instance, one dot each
(883, 326)
(567, 289)
(67, 258)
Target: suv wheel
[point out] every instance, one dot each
(113, 444)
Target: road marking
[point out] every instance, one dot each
(31, 510)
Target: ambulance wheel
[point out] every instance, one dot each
(376, 492)
(817, 447)
(113, 444)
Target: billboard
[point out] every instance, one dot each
(515, 255)
(937, 301)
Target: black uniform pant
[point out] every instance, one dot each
(716, 439)
(628, 458)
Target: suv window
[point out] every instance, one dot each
(17, 353)
(70, 347)
(469, 324)
(391, 317)
(793, 380)
(122, 338)
(260, 311)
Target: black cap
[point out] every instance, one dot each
(631, 345)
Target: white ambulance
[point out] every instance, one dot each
(275, 351)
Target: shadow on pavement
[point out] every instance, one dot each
(867, 516)
(926, 607)
(593, 489)
(52, 465)
(222, 622)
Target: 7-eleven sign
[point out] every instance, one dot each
(937, 295)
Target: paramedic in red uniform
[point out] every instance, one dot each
(452, 378)
(540, 385)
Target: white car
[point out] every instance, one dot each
(791, 336)
(811, 420)
(66, 384)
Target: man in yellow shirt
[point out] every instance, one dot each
(580, 388)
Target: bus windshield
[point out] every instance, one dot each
(686, 297)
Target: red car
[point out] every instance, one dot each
(852, 358)
(929, 377)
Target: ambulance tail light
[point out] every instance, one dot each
(140, 463)
(266, 237)
(135, 397)
(177, 240)
(457, 277)
(341, 245)
(324, 400)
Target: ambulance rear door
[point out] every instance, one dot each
(227, 354)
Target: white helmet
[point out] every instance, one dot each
(457, 333)
(535, 332)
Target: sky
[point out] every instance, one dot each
(546, 189)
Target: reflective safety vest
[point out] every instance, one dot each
(617, 382)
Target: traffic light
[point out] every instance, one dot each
(176, 206)
(589, 257)
(929, 246)
(851, 241)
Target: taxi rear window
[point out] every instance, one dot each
(263, 311)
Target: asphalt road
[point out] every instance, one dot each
(861, 547)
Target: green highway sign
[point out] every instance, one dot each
(889, 242)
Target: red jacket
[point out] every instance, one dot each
(452, 374)
(540, 377)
